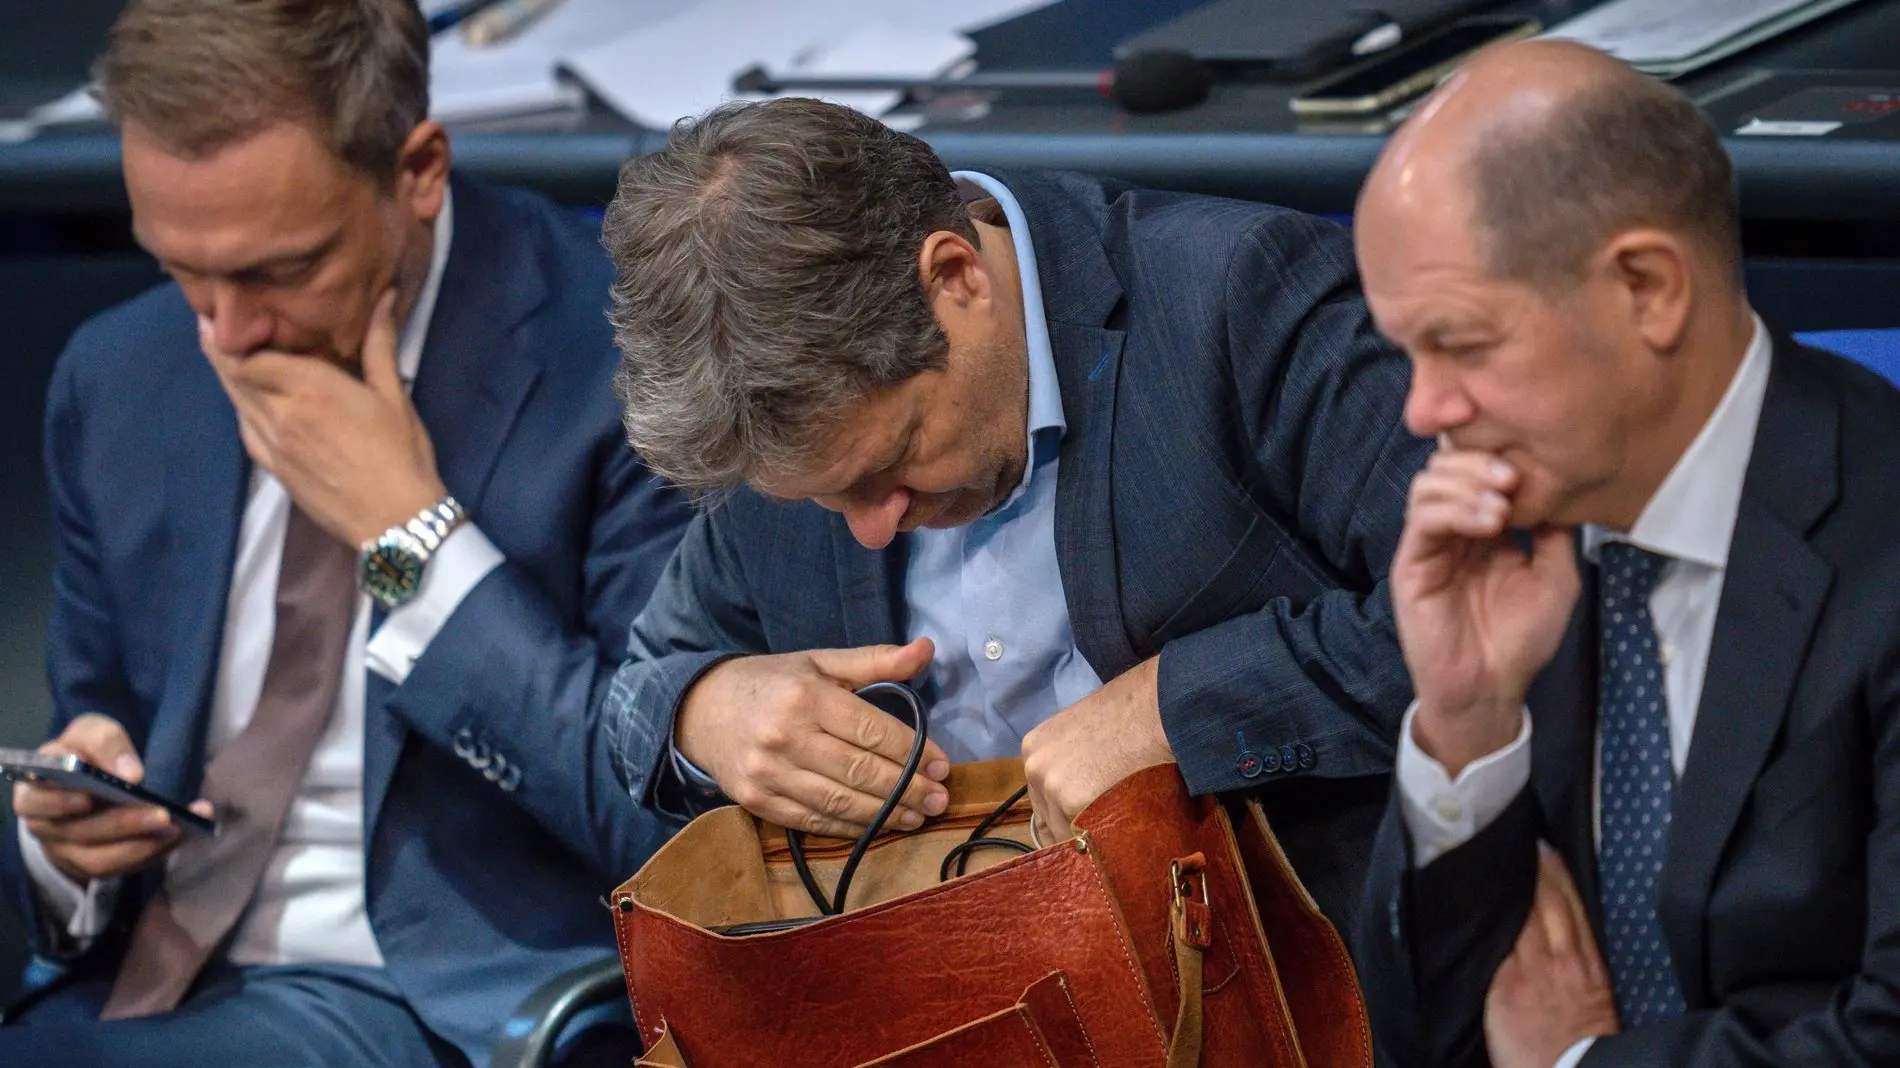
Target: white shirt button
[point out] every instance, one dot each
(993, 650)
(1666, 653)
(1449, 809)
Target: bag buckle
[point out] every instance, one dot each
(1187, 877)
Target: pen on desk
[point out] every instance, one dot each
(495, 24)
(1378, 39)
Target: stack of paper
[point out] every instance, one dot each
(1673, 37)
(678, 67)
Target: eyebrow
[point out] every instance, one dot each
(288, 258)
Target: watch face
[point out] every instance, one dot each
(392, 569)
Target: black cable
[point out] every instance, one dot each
(982, 830)
(962, 850)
(796, 843)
(834, 905)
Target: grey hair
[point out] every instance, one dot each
(766, 279)
(203, 74)
(1551, 191)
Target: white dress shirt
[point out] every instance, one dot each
(310, 905)
(1690, 521)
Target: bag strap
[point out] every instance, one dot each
(1191, 919)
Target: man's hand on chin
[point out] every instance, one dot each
(1553, 991)
(352, 453)
(1073, 757)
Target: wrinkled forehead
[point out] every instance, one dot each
(862, 439)
(274, 193)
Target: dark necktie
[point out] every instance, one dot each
(1638, 781)
(210, 881)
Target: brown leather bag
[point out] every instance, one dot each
(1167, 932)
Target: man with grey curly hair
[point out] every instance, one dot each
(1115, 474)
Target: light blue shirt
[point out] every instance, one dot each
(989, 593)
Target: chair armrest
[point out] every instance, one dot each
(529, 1036)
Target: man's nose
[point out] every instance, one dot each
(1435, 403)
(875, 524)
(239, 324)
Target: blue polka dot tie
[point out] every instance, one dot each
(1638, 779)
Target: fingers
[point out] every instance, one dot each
(1461, 494)
(1575, 916)
(111, 824)
(1046, 819)
(870, 775)
(115, 859)
(862, 666)
(381, 371)
(101, 742)
(40, 801)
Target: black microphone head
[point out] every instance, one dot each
(1161, 79)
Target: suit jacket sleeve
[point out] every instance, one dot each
(1430, 939)
(1321, 398)
(507, 665)
(84, 658)
(701, 614)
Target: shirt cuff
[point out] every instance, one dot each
(81, 911)
(1442, 814)
(463, 559)
(1574, 1055)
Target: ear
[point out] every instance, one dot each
(1654, 273)
(422, 170)
(952, 273)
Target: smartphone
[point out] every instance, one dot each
(1405, 71)
(72, 773)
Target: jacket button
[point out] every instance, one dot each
(464, 743)
(1289, 760)
(1306, 757)
(511, 780)
(480, 756)
(1271, 760)
(1248, 765)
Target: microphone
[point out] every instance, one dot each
(1162, 79)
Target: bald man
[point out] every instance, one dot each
(1649, 595)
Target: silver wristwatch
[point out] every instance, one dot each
(391, 564)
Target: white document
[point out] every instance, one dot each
(1661, 32)
(683, 65)
(520, 76)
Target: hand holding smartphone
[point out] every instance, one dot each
(80, 798)
(71, 773)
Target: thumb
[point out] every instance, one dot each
(866, 664)
(103, 743)
(380, 370)
(1553, 557)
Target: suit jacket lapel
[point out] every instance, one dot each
(1771, 599)
(1563, 704)
(1085, 516)
(1080, 296)
(207, 477)
(477, 372)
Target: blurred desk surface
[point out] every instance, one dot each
(1242, 142)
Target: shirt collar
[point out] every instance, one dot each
(1692, 514)
(1045, 390)
(415, 329)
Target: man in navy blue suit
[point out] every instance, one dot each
(348, 546)
(1117, 473)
